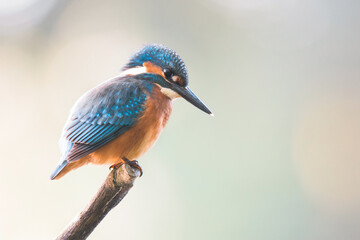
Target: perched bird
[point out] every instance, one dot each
(120, 119)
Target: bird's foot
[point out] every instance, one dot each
(133, 163)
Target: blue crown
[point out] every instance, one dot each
(161, 56)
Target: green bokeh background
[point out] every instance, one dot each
(280, 160)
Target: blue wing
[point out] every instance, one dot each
(100, 116)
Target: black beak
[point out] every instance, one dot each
(186, 93)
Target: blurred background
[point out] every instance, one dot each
(280, 160)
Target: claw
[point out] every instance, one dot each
(133, 163)
(117, 165)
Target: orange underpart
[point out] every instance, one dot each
(140, 137)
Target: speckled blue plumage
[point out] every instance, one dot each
(110, 109)
(160, 56)
(103, 114)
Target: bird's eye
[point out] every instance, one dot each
(168, 73)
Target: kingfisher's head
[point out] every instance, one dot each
(169, 72)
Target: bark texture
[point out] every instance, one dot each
(113, 190)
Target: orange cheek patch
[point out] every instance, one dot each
(178, 80)
(151, 68)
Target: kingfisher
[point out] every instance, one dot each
(119, 120)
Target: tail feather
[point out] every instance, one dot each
(58, 169)
(66, 167)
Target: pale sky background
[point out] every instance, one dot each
(280, 160)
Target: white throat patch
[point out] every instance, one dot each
(169, 93)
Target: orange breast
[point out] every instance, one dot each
(138, 139)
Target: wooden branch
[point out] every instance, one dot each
(114, 189)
